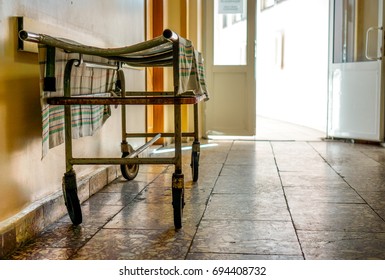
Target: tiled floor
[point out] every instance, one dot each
(254, 200)
(287, 195)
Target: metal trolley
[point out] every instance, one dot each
(162, 51)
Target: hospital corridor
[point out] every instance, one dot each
(247, 130)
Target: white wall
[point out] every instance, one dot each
(292, 62)
(24, 177)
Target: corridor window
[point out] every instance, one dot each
(230, 32)
(353, 36)
(265, 4)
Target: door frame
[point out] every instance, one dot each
(349, 67)
(249, 119)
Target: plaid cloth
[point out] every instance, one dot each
(86, 119)
(191, 70)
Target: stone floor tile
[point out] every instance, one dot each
(336, 193)
(375, 199)
(252, 146)
(249, 158)
(113, 199)
(246, 237)
(58, 241)
(319, 178)
(335, 217)
(309, 165)
(206, 170)
(248, 184)
(31, 252)
(362, 171)
(145, 177)
(143, 215)
(120, 244)
(260, 206)
(161, 194)
(343, 245)
(248, 170)
(292, 147)
(368, 182)
(95, 213)
(376, 154)
(212, 157)
(211, 256)
(121, 185)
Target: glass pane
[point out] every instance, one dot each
(230, 32)
(352, 19)
(265, 4)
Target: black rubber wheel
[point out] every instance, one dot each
(71, 198)
(129, 171)
(73, 207)
(178, 204)
(195, 165)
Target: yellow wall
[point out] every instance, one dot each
(25, 178)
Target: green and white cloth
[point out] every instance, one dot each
(191, 70)
(86, 119)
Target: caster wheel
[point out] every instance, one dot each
(129, 171)
(178, 199)
(178, 204)
(195, 165)
(71, 198)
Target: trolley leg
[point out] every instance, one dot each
(69, 180)
(196, 123)
(195, 147)
(178, 198)
(195, 154)
(123, 107)
(178, 177)
(124, 145)
(129, 171)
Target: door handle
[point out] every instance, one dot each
(370, 29)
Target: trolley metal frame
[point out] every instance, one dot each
(129, 162)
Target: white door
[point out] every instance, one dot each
(356, 91)
(230, 67)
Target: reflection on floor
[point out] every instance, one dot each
(270, 129)
(254, 200)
